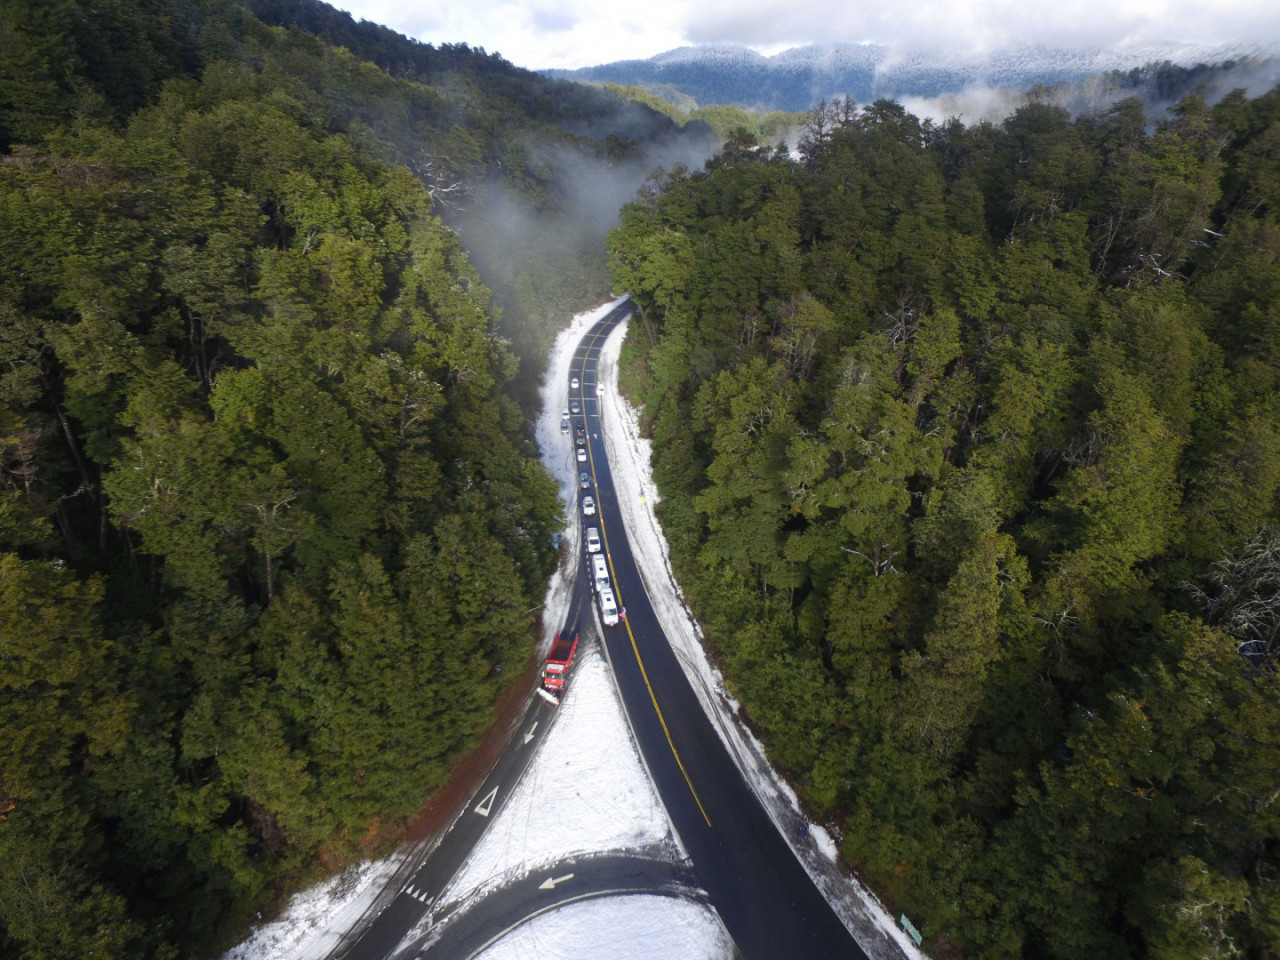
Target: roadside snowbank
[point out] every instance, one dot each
(557, 456)
(630, 456)
(317, 918)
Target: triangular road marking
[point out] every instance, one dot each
(486, 805)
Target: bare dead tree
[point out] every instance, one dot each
(1241, 597)
(881, 557)
(445, 191)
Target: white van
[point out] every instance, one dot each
(600, 571)
(593, 540)
(608, 608)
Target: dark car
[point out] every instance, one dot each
(584, 480)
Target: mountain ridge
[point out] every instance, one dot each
(797, 78)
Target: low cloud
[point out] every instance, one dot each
(577, 33)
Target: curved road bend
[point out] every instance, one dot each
(570, 881)
(764, 896)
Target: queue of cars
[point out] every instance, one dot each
(592, 541)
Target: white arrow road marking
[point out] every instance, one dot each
(486, 805)
(550, 884)
(529, 736)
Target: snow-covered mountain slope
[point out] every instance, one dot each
(797, 78)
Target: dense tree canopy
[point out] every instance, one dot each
(272, 526)
(969, 446)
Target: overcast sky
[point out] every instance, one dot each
(579, 33)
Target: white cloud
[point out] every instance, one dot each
(575, 33)
(538, 33)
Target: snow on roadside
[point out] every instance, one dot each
(585, 792)
(316, 919)
(630, 457)
(557, 456)
(638, 927)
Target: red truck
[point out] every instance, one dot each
(556, 669)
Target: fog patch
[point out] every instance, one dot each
(979, 103)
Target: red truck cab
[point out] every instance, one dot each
(559, 660)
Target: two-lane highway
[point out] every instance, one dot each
(764, 896)
(766, 900)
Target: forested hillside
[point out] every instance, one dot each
(969, 447)
(273, 531)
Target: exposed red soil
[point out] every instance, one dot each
(469, 770)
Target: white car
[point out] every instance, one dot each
(600, 570)
(588, 507)
(573, 384)
(608, 608)
(593, 540)
(582, 454)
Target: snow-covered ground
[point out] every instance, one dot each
(316, 919)
(618, 928)
(585, 792)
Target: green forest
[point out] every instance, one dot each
(273, 529)
(968, 440)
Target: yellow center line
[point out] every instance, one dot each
(617, 591)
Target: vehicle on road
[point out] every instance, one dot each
(564, 424)
(556, 670)
(573, 384)
(599, 572)
(608, 607)
(593, 540)
(588, 506)
(581, 441)
(584, 481)
(576, 407)
(582, 454)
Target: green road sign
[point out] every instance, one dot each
(910, 927)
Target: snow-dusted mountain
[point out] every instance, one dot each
(797, 78)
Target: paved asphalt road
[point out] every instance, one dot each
(571, 881)
(768, 903)
(766, 900)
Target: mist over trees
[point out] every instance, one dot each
(968, 440)
(531, 171)
(273, 529)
